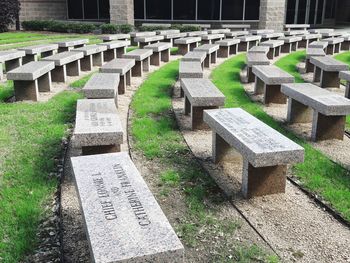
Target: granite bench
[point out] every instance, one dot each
(212, 53)
(201, 26)
(157, 25)
(307, 38)
(234, 34)
(247, 42)
(275, 47)
(115, 49)
(240, 137)
(109, 38)
(133, 35)
(326, 71)
(123, 67)
(255, 59)
(97, 127)
(346, 44)
(32, 52)
(270, 36)
(66, 63)
(295, 33)
(187, 44)
(172, 36)
(330, 34)
(190, 69)
(196, 33)
(198, 56)
(290, 43)
(218, 31)
(146, 40)
(290, 27)
(227, 47)
(31, 78)
(312, 52)
(161, 52)
(319, 44)
(64, 46)
(102, 86)
(237, 27)
(200, 94)
(12, 59)
(167, 31)
(93, 56)
(142, 61)
(326, 110)
(320, 30)
(268, 81)
(259, 49)
(211, 38)
(123, 221)
(346, 76)
(333, 45)
(261, 31)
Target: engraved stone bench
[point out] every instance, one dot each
(123, 67)
(115, 49)
(265, 152)
(198, 56)
(247, 42)
(200, 94)
(196, 33)
(187, 44)
(259, 49)
(290, 43)
(211, 38)
(254, 59)
(307, 38)
(312, 52)
(142, 61)
(190, 69)
(31, 78)
(161, 52)
(270, 36)
(234, 34)
(32, 52)
(219, 31)
(275, 47)
(319, 44)
(346, 76)
(326, 110)
(290, 27)
(268, 81)
(212, 53)
(244, 27)
(146, 40)
(108, 38)
(12, 59)
(123, 221)
(227, 47)
(97, 127)
(93, 56)
(66, 63)
(333, 45)
(261, 31)
(71, 44)
(327, 70)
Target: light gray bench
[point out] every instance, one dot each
(346, 76)
(234, 34)
(275, 47)
(168, 31)
(93, 56)
(320, 30)
(202, 26)
(196, 33)
(123, 221)
(32, 52)
(244, 27)
(261, 31)
(326, 71)
(270, 36)
(295, 32)
(290, 27)
(31, 78)
(265, 152)
(133, 35)
(290, 43)
(312, 52)
(142, 61)
(254, 59)
(319, 44)
(218, 31)
(108, 38)
(307, 38)
(333, 45)
(190, 69)
(146, 40)
(268, 81)
(12, 59)
(161, 52)
(115, 49)
(212, 52)
(326, 110)
(172, 36)
(259, 49)
(157, 25)
(247, 42)
(200, 94)
(331, 34)
(227, 47)
(66, 63)
(123, 67)
(198, 56)
(64, 46)
(187, 44)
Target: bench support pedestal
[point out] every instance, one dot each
(223, 52)
(120, 51)
(29, 58)
(91, 150)
(109, 55)
(73, 68)
(12, 64)
(97, 59)
(183, 49)
(122, 84)
(1, 71)
(165, 55)
(273, 94)
(26, 90)
(197, 117)
(250, 75)
(327, 127)
(59, 74)
(298, 112)
(309, 66)
(329, 79)
(317, 74)
(44, 82)
(145, 64)
(86, 63)
(136, 71)
(46, 54)
(347, 90)
(155, 59)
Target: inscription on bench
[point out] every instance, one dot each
(92, 115)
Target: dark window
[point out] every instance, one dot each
(90, 9)
(156, 9)
(252, 8)
(330, 9)
(208, 9)
(319, 11)
(139, 8)
(290, 12)
(232, 10)
(104, 9)
(184, 9)
(75, 9)
(301, 12)
(312, 12)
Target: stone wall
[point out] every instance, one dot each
(272, 14)
(122, 11)
(43, 9)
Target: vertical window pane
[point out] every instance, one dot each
(312, 12)
(252, 8)
(104, 9)
(319, 11)
(184, 9)
(290, 12)
(208, 9)
(75, 9)
(90, 9)
(232, 10)
(139, 9)
(158, 9)
(330, 9)
(301, 12)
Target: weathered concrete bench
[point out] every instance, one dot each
(102, 86)
(307, 38)
(142, 61)
(71, 44)
(32, 52)
(329, 110)
(290, 27)
(157, 24)
(259, 49)
(333, 45)
(115, 49)
(190, 69)
(200, 94)
(66, 63)
(327, 70)
(123, 221)
(209, 39)
(168, 31)
(255, 59)
(265, 152)
(346, 44)
(290, 43)
(346, 76)
(295, 33)
(270, 36)
(330, 34)
(196, 33)
(234, 34)
(161, 52)
(198, 56)
(93, 56)
(133, 35)
(187, 44)
(219, 31)
(31, 78)
(212, 53)
(146, 40)
(12, 59)
(312, 52)
(268, 81)
(244, 27)
(247, 42)
(202, 26)
(97, 127)
(170, 37)
(227, 47)
(123, 67)
(108, 38)
(319, 44)
(275, 47)
(261, 31)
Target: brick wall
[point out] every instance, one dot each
(122, 11)
(272, 14)
(43, 9)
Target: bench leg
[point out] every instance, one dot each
(136, 71)
(142, 45)
(294, 46)
(337, 48)
(345, 45)
(329, 79)
(1, 71)
(128, 78)
(277, 51)
(273, 94)
(197, 117)
(155, 59)
(309, 66)
(193, 46)
(285, 48)
(233, 49)
(327, 127)
(260, 181)
(120, 52)
(207, 61)
(222, 151)
(213, 57)
(182, 94)
(63, 49)
(187, 107)
(29, 58)
(59, 74)
(79, 46)
(97, 59)
(298, 112)
(165, 55)
(252, 44)
(44, 83)
(91, 150)
(330, 50)
(109, 55)
(223, 52)
(46, 54)
(347, 90)
(259, 86)
(26, 90)
(303, 43)
(145, 64)
(205, 42)
(270, 53)
(73, 68)
(121, 86)
(183, 49)
(250, 75)
(243, 47)
(317, 74)
(12, 64)
(86, 63)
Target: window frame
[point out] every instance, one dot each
(83, 12)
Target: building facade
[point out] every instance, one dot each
(270, 14)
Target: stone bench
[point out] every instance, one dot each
(295, 33)
(333, 45)
(12, 59)
(31, 78)
(196, 33)
(156, 25)
(201, 26)
(123, 67)
(123, 221)
(326, 110)
(66, 63)
(212, 53)
(307, 38)
(346, 44)
(244, 27)
(97, 127)
(218, 31)
(270, 36)
(319, 44)
(255, 59)
(109, 38)
(346, 76)
(259, 49)
(312, 52)
(238, 136)
(190, 69)
(200, 94)
(290, 43)
(290, 27)
(64, 46)
(133, 35)
(102, 86)
(32, 52)
(326, 71)
(146, 40)
(275, 47)
(172, 36)
(161, 52)
(198, 56)
(227, 47)
(115, 49)
(234, 34)
(268, 81)
(247, 42)
(142, 61)
(330, 34)
(320, 30)
(168, 31)
(261, 31)
(93, 56)
(187, 44)
(210, 38)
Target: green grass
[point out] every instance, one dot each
(30, 139)
(317, 173)
(6, 90)
(80, 83)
